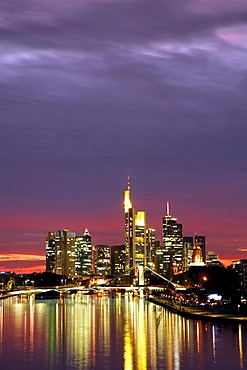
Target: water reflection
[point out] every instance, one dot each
(84, 332)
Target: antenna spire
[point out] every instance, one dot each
(168, 208)
(128, 182)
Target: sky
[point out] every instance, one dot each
(94, 91)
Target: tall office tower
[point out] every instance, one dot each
(201, 241)
(151, 247)
(197, 258)
(102, 259)
(60, 252)
(213, 259)
(172, 262)
(129, 228)
(158, 256)
(118, 259)
(240, 269)
(83, 252)
(50, 247)
(140, 238)
(188, 245)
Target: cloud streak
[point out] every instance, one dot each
(20, 257)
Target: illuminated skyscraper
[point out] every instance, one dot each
(197, 257)
(102, 259)
(201, 241)
(188, 245)
(129, 228)
(50, 247)
(118, 259)
(151, 247)
(60, 252)
(83, 252)
(140, 237)
(171, 254)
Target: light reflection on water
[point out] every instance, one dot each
(85, 332)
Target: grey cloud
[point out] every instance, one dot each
(97, 24)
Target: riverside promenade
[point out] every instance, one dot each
(200, 312)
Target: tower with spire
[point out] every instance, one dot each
(83, 252)
(170, 254)
(129, 228)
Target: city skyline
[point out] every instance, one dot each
(28, 262)
(95, 91)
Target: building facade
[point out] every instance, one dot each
(102, 259)
(188, 244)
(118, 259)
(170, 254)
(201, 241)
(151, 247)
(139, 243)
(140, 237)
(83, 252)
(240, 267)
(129, 229)
(60, 252)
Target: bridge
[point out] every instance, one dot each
(139, 287)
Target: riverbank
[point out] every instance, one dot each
(199, 313)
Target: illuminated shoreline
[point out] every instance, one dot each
(198, 313)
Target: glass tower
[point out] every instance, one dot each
(140, 237)
(171, 254)
(83, 262)
(60, 252)
(129, 228)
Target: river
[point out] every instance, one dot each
(96, 333)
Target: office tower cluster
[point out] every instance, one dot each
(139, 240)
(68, 254)
(73, 255)
(175, 254)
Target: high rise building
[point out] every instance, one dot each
(118, 259)
(60, 252)
(201, 241)
(212, 259)
(197, 258)
(151, 247)
(50, 248)
(188, 245)
(240, 268)
(129, 228)
(102, 259)
(140, 237)
(171, 253)
(83, 252)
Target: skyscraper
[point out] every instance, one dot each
(171, 254)
(197, 257)
(129, 228)
(201, 241)
(102, 259)
(60, 252)
(118, 259)
(151, 247)
(50, 248)
(83, 253)
(140, 238)
(188, 245)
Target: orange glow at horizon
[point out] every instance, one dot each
(21, 257)
(8, 260)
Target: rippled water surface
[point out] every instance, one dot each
(87, 332)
